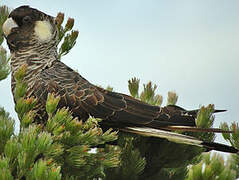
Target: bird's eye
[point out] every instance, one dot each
(26, 19)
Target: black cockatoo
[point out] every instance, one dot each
(32, 38)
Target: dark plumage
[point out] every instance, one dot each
(32, 38)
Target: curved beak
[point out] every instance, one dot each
(8, 25)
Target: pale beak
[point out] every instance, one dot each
(8, 25)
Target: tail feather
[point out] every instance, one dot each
(195, 112)
(219, 147)
(180, 138)
(195, 129)
(219, 110)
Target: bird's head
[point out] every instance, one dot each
(26, 26)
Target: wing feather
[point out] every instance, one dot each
(83, 98)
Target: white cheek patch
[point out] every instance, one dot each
(43, 30)
(8, 25)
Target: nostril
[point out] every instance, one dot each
(15, 29)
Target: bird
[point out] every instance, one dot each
(32, 37)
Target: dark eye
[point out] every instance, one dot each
(26, 19)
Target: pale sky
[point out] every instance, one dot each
(188, 46)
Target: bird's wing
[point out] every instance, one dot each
(116, 109)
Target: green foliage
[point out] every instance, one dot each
(205, 119)
(133, 86)
(131, 163)
(173, 173)
(6, 128)
(172, 98)
(63, 148)
(234, 163)
(41, 170)
(4, 66)
(233, 138)
(21, 87)
(4, 11)
(109, 88)
(212, 166)
(67, 36)
(24, 106)
(148, 95)
(76, 139)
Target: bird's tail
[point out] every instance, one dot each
(195, 129)
(195, 112)
(180, 138)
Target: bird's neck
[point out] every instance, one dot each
(36, 58)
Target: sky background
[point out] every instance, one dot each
(186, 46)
